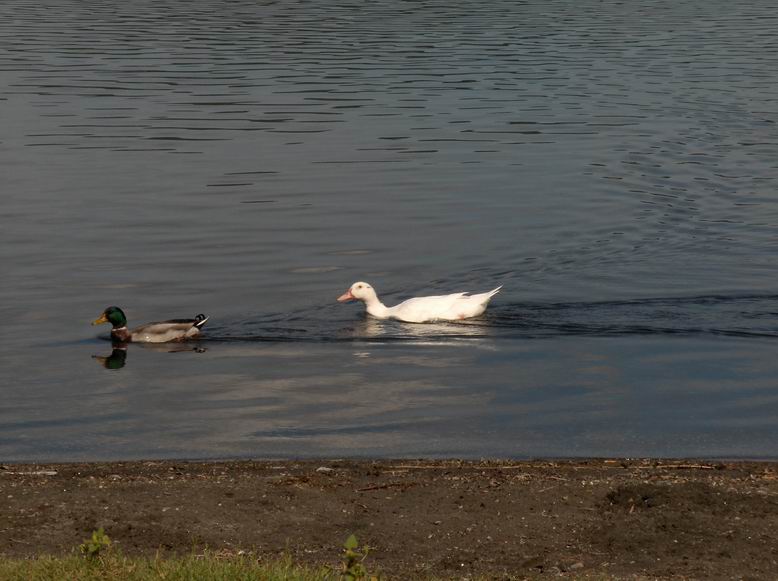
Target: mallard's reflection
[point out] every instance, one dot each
(118, 357)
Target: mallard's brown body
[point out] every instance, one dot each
(160, 332)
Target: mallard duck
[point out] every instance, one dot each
(161, 332)
(453, 307)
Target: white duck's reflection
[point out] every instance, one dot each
(435, 333)
(118, 356)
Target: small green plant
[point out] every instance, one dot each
(95, 546)
(354, 562)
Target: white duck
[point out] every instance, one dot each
(453, 307)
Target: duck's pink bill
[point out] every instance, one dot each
(346, 296)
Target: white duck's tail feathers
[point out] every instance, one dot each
(493, 292)
(486, 297)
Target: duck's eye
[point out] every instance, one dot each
(359, 286)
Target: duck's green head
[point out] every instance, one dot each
(113, 315)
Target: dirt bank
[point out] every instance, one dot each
(454, 519)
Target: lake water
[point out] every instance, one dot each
(613, 164)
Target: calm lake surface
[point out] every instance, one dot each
(613, 164)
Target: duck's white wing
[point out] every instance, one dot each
(473, 305)
(421, 309)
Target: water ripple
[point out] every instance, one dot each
(725, 315)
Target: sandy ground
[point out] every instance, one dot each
(623, 519)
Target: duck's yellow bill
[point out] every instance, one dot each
(101, 319)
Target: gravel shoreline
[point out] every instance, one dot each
(454, 519)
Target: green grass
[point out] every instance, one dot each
(100, 561)
(205, 567)
(208, 567)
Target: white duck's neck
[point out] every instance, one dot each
(376, 308)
